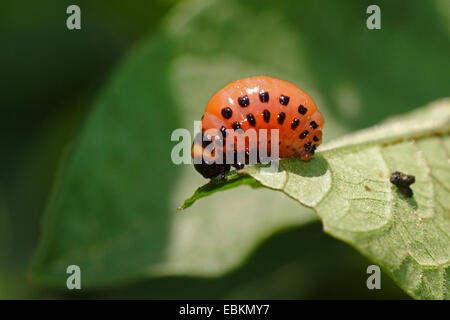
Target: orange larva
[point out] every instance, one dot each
(260, 103)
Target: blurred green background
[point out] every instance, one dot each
(86, 118)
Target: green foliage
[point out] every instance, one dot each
(114, 220)
(216, 185)
(347, 184)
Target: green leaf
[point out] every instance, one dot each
(106, 210)
(113, 205)
(347, 184)
(113, 208)
(219, 185)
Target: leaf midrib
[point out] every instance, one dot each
(433, 128)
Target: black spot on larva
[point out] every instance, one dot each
(266, 115)
(236, 125)
(295, 123)
(308, 146)
(244, 101)
(281, 117)
(313, 124)
(284, 100)
(227, 113)
(315, 139)
(288, 147)
(303, 134)
(251, 119)
(264, 96)
(224, 131)
(302, 109)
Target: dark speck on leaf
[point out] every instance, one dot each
(402, 181)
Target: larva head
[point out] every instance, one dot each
(205, 153)
(212, 170)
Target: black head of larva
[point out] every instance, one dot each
(244, 101)
(211, 170)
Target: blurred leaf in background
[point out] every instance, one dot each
(316, 267)
(113, 207)
(49, 78)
